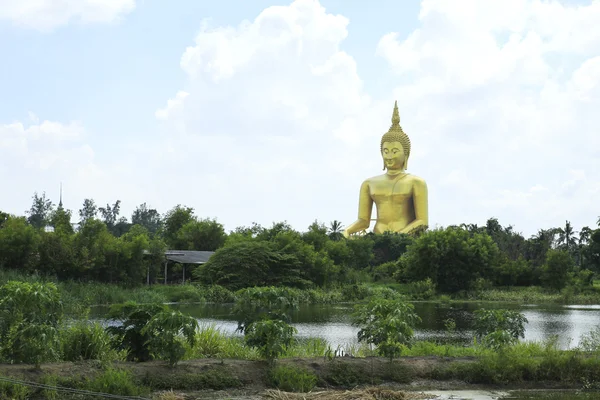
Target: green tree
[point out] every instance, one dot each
(251, 263)
(165, 330)
(316, 236)
(452, 258)
(555, 273)
(387, 324)
(149, 218)
(61, 221)
(56, 255)
(3, 218)
(497, 328)
(174, 220)
(263, 315)
(18, 244)
(88, 211)
(335, 230)
(390, 247)
(40, 211)
(201, 235)
(31, 314)
(129, 331)
(566, 237)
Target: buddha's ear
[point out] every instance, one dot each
(406, 164)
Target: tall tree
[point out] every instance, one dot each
(3, 218)
(88, 211)
(110, 214)
(40, 211)
(175, 219)
(335, 230)
(149, 218)
(61, 221)
(566, 236)
(202, 235)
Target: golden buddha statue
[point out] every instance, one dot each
(401, 198)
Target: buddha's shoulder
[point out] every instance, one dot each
(414, 179)
(417, 180)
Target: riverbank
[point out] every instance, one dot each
(77, 297)
(221, 378)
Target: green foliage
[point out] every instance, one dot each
(499, 328)
(114, 381)
(174, 220)
(251, 263)
(14, 391)
(271, 337)
(388, 324)
(29, 316)
(292, 379)
(86, 341)
(555, 272)
(18, 244)
(203, 234)
(591, 340)
(166, 330)
(218, 377)
(40, 211)
(130, 335)
(452, 258)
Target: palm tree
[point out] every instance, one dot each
(335, 230)
(565, 236)
(584, 238)
(598, 221)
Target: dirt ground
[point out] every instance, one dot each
(208, 378)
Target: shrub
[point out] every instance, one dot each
(388, 324)
(270, 337)
(86, 341)
(164, 330)
(499, 327)
(114, 381)
(128, 336)
(292, 379)
(31, 314)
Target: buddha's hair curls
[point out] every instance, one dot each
(396, 134)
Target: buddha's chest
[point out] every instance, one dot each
(390, 190)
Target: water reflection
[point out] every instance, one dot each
(333, 322)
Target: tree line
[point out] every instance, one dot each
(107, 247)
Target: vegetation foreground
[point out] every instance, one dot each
(153, 350)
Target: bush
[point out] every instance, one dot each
(31, 314)
(114, 381)
(388, 324)
(129, 336)
(86, 341)
(292, 379)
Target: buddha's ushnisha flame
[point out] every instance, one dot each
(396, 134)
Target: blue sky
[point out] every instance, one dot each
(498, 99)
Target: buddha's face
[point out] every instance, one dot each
(393, 156)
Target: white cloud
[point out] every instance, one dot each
(47, 15)
(500, 100)
(172, 105)
(503, 94)
(498, 104)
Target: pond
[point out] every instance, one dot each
(333, 322)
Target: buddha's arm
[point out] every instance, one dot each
(421, 210)
(365, 207)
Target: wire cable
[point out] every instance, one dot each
(69, 390)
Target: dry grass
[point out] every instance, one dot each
(356, 394)
(168, 395)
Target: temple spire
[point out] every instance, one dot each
(60, 200)
(395, 115)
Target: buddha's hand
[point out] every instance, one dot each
(346, 234)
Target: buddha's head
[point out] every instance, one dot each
(395, 145)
